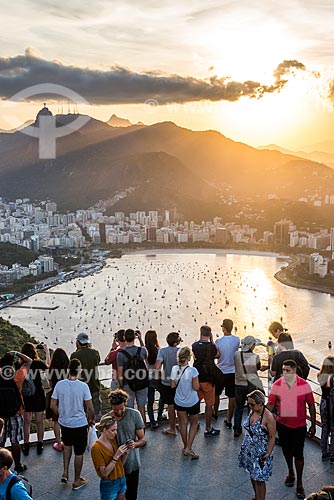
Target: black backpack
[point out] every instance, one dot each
(10, 398)
(16, 479)
(135, 371)
(28, 386)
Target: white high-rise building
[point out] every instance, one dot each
(332, 238)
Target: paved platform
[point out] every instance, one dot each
(167, 475)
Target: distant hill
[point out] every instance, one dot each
(115, 121)
(157, 166)
(20, 127)
(318, 156)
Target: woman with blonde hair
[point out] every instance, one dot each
(108, 459)
(326, 381)
(185, 380)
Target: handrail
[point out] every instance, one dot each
(264, 377)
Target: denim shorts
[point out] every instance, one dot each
(110, 489)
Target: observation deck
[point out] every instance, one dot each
(166, 474)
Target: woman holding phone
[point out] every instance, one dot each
(108, 460)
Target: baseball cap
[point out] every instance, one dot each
(83, 338)
(248, 341)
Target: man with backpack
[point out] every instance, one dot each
(12, 487)
(11, 403)
(132, 373)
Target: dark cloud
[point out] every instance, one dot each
(120, 85)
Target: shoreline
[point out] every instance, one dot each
(279, 276)
(285, 280)
(213, 251)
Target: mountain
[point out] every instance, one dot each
(19, 127)
(318, 156)
(152, 167)
(326, 146)
(116, 121)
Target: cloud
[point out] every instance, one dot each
(120, 85)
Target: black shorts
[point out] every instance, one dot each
(76, 437)
(292, 440)
(227, 382)
(190, 410)
(167, 394)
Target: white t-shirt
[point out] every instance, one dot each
(185, 395)
(227, 346)
(71, 395)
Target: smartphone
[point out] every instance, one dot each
(40, 346)
(129, 441)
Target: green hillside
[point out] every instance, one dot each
(10, 254)
(12, 337)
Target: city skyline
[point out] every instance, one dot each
(258, 74)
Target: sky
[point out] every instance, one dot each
(258, 72)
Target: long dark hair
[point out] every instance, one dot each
(152, 346)
(58, 366)
(30, 350)
(327, 369)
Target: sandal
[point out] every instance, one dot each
(300, 493)
(168, 432)
(289, 481)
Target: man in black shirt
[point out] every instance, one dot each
(204, 354)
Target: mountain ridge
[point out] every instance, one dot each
(193, 168)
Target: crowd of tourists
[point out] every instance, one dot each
(67, 391)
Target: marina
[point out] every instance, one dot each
(179, 291)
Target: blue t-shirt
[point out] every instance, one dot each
(18, 491)
(132, 351)
(71, 395)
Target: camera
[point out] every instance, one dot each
(40, 346)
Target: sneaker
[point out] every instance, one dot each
(212, 432)
(64, 479)
(154, 426)
(237, 433)
(331, 459)
(80, 484)
(40, 448)
(228, 424)
(20, 468)
(58, 447)
(25, 449)
(325, 456)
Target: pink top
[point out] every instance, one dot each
(291, 401)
